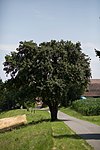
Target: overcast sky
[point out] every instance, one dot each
(43, 20)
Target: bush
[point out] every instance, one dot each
(29, 104)
(88, 107)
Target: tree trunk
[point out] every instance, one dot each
(53, 111)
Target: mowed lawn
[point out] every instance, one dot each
(71, 112)
(40, 134)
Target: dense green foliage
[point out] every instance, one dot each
(9, 97)
(88, 107)
(13, 98)
(1, 93)
(57, 71)
(40, 134)
(3, 100)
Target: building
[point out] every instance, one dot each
(93, 89)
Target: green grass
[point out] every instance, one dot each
(40, 134)
(66, 139)
(71, 112)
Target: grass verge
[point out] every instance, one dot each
(40, 134)
(71, 112)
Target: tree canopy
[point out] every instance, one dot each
(97, 53)
(56, 71)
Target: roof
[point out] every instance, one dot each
(95, 81)
(93, 88)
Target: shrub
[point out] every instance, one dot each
(88, 107)
(29, 104)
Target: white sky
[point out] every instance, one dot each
(43, 20)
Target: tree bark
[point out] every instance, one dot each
(53, 111)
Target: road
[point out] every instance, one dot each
(88, 131)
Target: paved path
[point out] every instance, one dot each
(88, 131)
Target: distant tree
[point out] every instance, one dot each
(1, 88)
(1, 94)
(1, 82)
(57, 71)
(97, 53)
(10, 95)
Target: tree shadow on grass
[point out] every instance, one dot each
(79, 136)
(71, 136)
(29, 124)
(38, 121)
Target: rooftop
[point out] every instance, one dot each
(93, 88)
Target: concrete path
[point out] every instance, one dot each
(88, 131)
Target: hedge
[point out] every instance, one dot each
(88, 107)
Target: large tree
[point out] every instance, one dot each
(55, 70)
